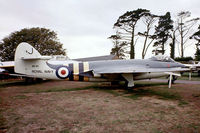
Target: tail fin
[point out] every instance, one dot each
(24, 52)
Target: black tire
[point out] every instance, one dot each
(199, 73)
(29, 80)
(173, 81)
(115, 83)
(38, 80)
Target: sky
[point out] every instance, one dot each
(83, 26)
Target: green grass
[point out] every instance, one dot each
(42, 128)
(58, 89)
(163, 94)
(4, 84)
(11, 83)
(20, 97)
(133, 96)
(107, 90)
(182, 102)
(194, 126)
(185, 76)
(142, 89)
(141, 84)
(196, 95)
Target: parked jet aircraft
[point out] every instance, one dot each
(194, 67)
(29, 62)
(7, 66)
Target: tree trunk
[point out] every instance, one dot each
(132, 51)
(145, 42)
(163, 48)
(182, 50)
(182, 53)
(172, 45)
(172, 50)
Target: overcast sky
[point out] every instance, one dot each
(83, 26)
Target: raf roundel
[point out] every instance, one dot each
(62, 72)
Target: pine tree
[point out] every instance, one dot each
(126, 24)
(162, 32)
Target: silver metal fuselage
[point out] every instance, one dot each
(40, 69)
(109, 65)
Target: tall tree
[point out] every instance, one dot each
(44, 40)
(118, 46)
(148, 19)
(185, 25)
(173, 43)
(196, 36)
(162, 32)
(126, 24)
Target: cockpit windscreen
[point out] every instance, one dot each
(161, 58)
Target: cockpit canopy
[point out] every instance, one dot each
(162, 58)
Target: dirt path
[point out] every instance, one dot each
(62, 106)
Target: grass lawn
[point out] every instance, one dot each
(64, 106)
(185, 76)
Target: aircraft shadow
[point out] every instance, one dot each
(140, 89)
(18, 83)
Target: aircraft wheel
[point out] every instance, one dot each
(174, 78)
(29, 80)
(126, 84)
(115, 83)
(38, 80)
(199, 73)
(173, 81)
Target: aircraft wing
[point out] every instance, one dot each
(137, 70)
(7, 67)
(2, 70)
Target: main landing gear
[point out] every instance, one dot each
(174, 78)
(129, 83)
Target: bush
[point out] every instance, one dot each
(189, 58)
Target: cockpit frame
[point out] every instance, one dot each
(162, 58)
